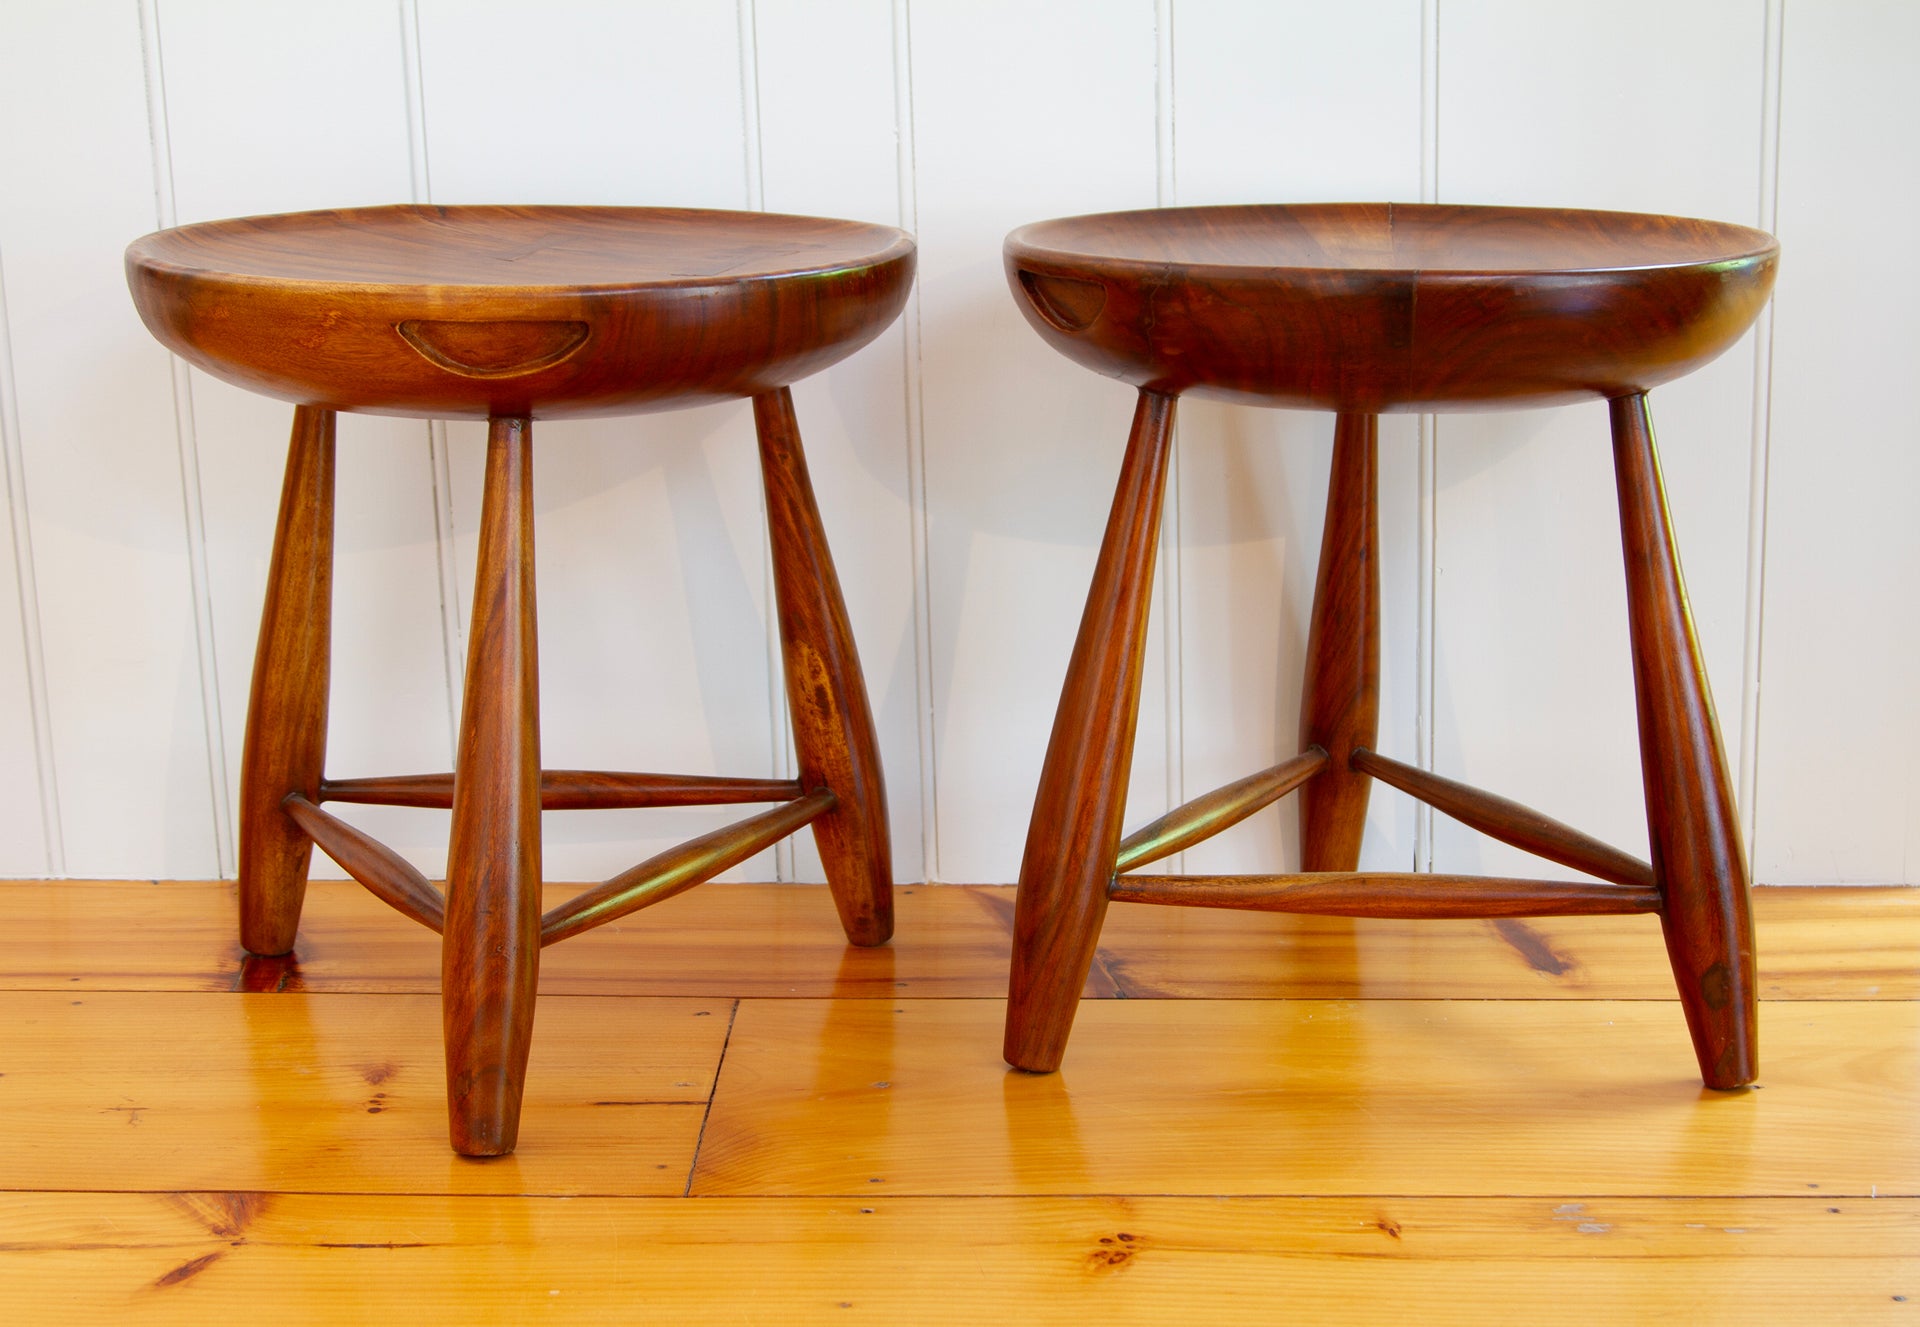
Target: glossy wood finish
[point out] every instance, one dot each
(1361, 309)
(1572, 1100)
(1073, 840)
(507, 313)
(286, 739)
(856, 1150)
(1692, 823)
(518, 311)
(1508, 821)
(1340, 695)
(826, 693)
(387, 875)
(783, 942)
(1134, 1261)
(1203, 817)
(1376, 307)
(677, 870)
(1388, 894)
(491, 955)
(571, 790)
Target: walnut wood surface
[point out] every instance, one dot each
(1390, 306)
(571, 790)
(679, 869)
(1074, 837)
(826, 693)
(387, 875)
(1206, 815)
(1692, 823)
(491, 953)
(286, 739)
(1388, 894)
(1508, 821)
(518, 311)
(1340, 693)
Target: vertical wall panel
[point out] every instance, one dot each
(828, 146)
(651, 541)
(1329, 109)
(1643, 106)
(101, 460)
(344, 146)
(23, 840)
(1838, 790)
(1020, 112)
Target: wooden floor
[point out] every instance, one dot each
(733, 1117)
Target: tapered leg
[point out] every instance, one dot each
(832, 722)
(1074, 837)
(1698, 861)
(286, 741)
(490, 958)
(1340, 701)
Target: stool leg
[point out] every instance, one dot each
(1340, 700)
(1074, 837)
(826, 694)
(286, 741)
(1698, 861)
(490, 958)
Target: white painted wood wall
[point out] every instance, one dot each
(964, 469)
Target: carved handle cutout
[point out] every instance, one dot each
(493, 349)
(1067, 302)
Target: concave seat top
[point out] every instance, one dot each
(1382, 306)
(547, 311)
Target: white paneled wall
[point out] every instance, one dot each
(964, 470)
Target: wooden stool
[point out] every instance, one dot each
(510, 315)
(1360, 309)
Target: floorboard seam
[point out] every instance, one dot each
(699, 1140)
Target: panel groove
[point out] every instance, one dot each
(29, 598)
(1173, 640)
(1760, 467)
(753, 163)
(187, 443)
(916, 431)
(453, 642)
(1427, 537)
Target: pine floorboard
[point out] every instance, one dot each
(733, 1117)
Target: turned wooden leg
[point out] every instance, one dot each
(286, 741)
(1340, 699)
(1698, 861)
(490, 958)
(1074, 837)
(832, 722)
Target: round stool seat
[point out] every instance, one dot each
(547, 312)
(1389, 306)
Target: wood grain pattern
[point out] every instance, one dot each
(185, 1257)
(490, 964)
(1388, 894)
(1245, 1096)
(781, 941)
(388, 876)
(340, 1094)
(286, 739)
(1692, 822)
(679, 869)
(571, 790)
(1340, 693)
(1390, 306)
(826, 692)
(1073, 839)
(677, 306)
(1508, 821)
(1224, 807)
